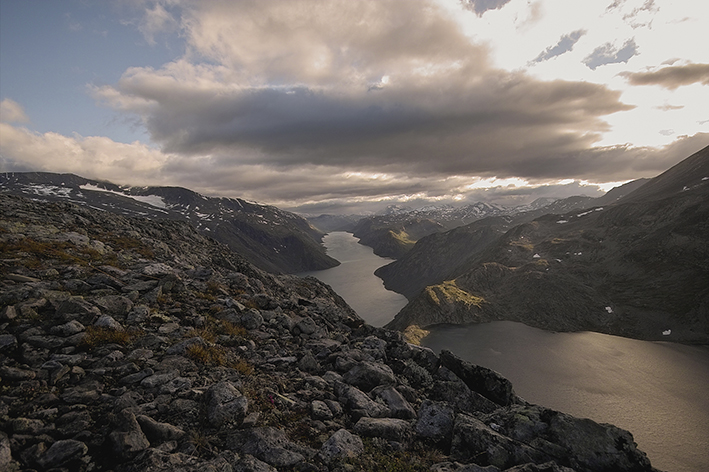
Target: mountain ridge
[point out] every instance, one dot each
(271, 238)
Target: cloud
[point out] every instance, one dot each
(296, 104)
(608, 54)
(12, 112)
(92, 156)
(565, 44)
(296, 89)
(671, 77)
(481, 6)
(668, 107)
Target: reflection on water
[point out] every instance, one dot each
(354, 279)
(657, 391)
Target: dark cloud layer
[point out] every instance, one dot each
(565, 44)
(608, 54)
(671, 77)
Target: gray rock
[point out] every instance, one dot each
(26, 426)
(251, 319)
(249, 463)
(159, 432)
(62, 452)
(107, 321)
(306, 325)
(130, 439)
(359, 403)
(581, 443)
(8, 342)
(73, 422)
(484, 381)
(342, 444)
(375, 347)
(114, 305)
(320, 411)
(308, 363)
(435, 421)
(271, 445)
(157, 269)
(156, 380)
(138, 314)
(68, 329)
(86, 393)
(392, 429)
(458, 467)
(14, 373)
(397, 404)
(77, 308)
(473, 440)
(5, 452)
(181, 347)
(225, 404)
(367, 375)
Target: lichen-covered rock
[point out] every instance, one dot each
(367, 375)
(342, 444)
(392, 429)
(225, 404)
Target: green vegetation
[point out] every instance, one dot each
(99, 336)
(449, 292)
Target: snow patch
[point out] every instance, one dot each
(667, 332)
(609, 309)
(562, 221)
(46, 190)
(152, 200)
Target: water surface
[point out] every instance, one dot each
(354, 279)
(659, 391)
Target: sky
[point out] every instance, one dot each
(350, 106)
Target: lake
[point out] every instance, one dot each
(659, 391)
(354, 279)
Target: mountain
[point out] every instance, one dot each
(395, 232)
(446, 255)
(637, 268)
(393, 235)
(136, 345)
(270, 238)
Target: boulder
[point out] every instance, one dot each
(225, 404)
(482, 380)
(367, 375)
(129, 440)
(392, 429)
(62, 452)
(342, 444)
(435, 421)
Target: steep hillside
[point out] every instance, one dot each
(270, 238)
(140, 345)
(392, 235)
(638, 268)
(444, 256)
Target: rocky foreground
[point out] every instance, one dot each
(131, 345)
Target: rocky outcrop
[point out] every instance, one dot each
(134, 345)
